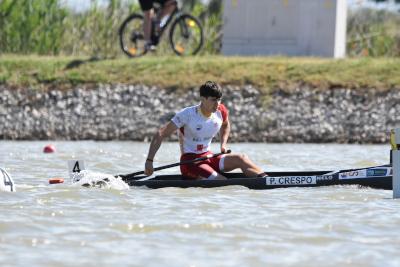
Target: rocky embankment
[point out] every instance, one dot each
(134, 112)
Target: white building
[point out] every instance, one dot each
(285, 27)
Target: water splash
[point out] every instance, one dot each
(97, 179)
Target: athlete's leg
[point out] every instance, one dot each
(200, 171)
(147, 8)
(207, 172)
(168, 7)
(241, 161)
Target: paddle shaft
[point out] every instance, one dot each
(132, 175)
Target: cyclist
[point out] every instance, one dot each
(168, 6)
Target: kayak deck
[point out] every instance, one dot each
(379, 177)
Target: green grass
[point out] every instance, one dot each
(174, 72)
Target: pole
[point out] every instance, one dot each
(395, 142)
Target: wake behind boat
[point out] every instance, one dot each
(379, 177)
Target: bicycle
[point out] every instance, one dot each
(185, 33)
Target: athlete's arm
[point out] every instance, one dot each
(155, 144)
(224, 134)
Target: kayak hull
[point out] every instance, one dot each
(368, 177)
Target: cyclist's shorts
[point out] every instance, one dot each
(148, 4)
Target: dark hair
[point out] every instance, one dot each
(211, 89)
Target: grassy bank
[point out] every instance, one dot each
(181, 73)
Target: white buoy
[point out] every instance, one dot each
(395, 142)
(6, 182)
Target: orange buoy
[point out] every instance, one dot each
(49, 149)
(56, 181)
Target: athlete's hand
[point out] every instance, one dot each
(148, 168)
(224, 149)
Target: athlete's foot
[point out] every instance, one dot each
(149, 47)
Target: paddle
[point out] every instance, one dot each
(127, 177)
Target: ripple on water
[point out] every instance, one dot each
(63, 225)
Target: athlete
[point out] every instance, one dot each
(197, 127)
(168, 6)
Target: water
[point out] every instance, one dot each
(62, 225)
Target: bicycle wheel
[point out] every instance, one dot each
(186, 35)
(131, 38)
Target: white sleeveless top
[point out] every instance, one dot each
(196, 131)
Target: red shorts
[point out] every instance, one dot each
(205, 169)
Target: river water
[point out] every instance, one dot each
(64, 225)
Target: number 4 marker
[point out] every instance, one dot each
(75, 166)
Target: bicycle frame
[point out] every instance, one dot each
(157, 11)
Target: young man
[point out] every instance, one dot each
(197, 127)
(168, 6)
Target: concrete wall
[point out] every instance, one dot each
(285, 27)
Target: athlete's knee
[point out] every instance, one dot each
(240, 159)
(147, 13)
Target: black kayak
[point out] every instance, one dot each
(379, 177)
